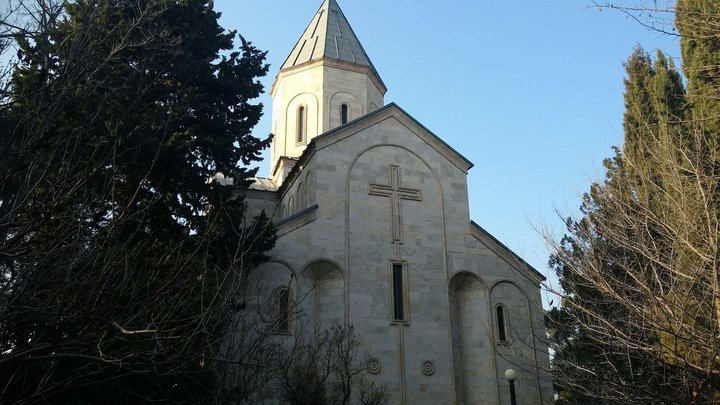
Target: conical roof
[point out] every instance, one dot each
(328, 35)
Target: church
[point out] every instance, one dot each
(372, 217)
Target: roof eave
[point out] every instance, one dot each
(515, 261)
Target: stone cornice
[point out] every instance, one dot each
(296, 220)
(261, 194)
(338, 64)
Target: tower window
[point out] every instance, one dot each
(301, 124)
(398, 289)
(343, 114)
(502, 326)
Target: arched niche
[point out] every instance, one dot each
(335, 105)
(326, 304)
(307, 105)
(516, 350)
(309, 191)
(471, 342)
(507, 296)
(301, 200)
(261, 292)
(291, 205)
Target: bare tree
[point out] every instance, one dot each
(644, 289)
(324, 369)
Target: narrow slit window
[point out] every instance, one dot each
(282, 305)
(501, 324)
(398, 293)
(344, 114)
(301, 124)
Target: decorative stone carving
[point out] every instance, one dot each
(396, 194)
(428, 368)
(373, 366)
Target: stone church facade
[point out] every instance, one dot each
(371, 212)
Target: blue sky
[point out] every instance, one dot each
(528, 90)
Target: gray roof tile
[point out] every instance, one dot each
(328, 35)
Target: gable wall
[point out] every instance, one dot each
(352, 230)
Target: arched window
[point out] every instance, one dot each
(343, 114)
(503, 330)
(301, 124)
(282, 309)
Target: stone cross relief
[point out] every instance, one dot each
(396, 194)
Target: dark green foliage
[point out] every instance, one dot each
(116, 252)
(654, 108)
(698, 21)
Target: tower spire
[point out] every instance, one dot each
(329, 35)
(327, 81)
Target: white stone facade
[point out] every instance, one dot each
(360, 206)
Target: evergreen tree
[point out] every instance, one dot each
(698, 21)
(641, 317)
(620, 253)
(654, 108)
(119, 259)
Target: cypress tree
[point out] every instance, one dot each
(640, 118)
(654, 110)
(697, 22)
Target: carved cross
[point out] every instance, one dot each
(396, 194)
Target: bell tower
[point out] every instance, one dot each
(325, 82)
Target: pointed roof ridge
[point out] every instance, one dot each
(329, 35)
